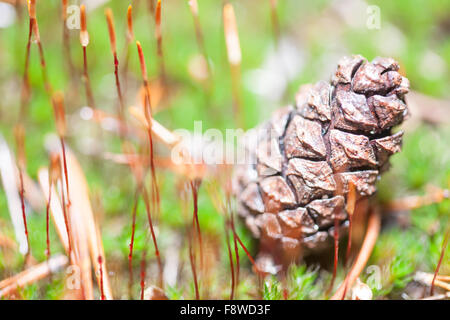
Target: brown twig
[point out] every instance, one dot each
(373, 228)
(32, 275)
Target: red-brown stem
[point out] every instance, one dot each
(112, 40)
(131, 246)
(66, 220)
(230, 257)
(87, 82)
(47, 220)
(152, 231)
(47, 85)
(120, 111)
(66, 175)
(100, 262)
(236, 249)
(130, 37)
(155, 189)
(148, 117)
(24, 216)
(248, 254)
(143, 272)
(195, 220)
(444, 246)
(158, 36)
(25, 95)
(193, 268)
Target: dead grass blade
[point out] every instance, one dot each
(79, 252)
(81, 211)
(32, 274)
(10, 183)
(427, 279)
(433, 195)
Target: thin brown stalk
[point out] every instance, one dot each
(248, 254)
(193, 267)
(149, 118)
(24, 217)
(373, 229)
(54, 176)
(19, 133)
(60, 121)
(24, 101)
(102, 292)
(274, 18)
(151, 7)
(84, 41)
(441, 257)
(230, 257)
(350, 208)
(83, 212)
(138, 172)
(193, 5)
(234, 60)
(32, 13)
(66, 38)
(336, 253)
(130, 39)
(131, 245)
(25, 93)
(143, 272)
(152, 231)
(112, 41)
(47, 222)
(236, 249)
(195, 221)
(158, 36)
(66, 219)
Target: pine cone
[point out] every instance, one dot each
(304, 157)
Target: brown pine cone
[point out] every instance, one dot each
(302, 159)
